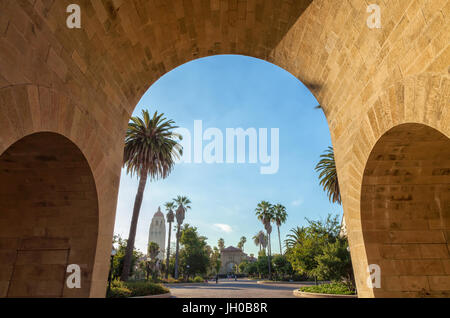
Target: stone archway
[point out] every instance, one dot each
(48, 217)
(405, 212)
(230, 267)
(84, 83)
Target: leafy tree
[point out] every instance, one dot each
(328, 176)
(263, 266)
(214, 258)
(172, 265)
(194, 257)
(183, 204)
(243, 266)
(279, 216)
(252, 269)
(318, 251)
(118, 260)
(282, 267)
(152, 260)
(221, 244)
(151, 148)
(303, 256)
(335, 263)
(218, 266)
(328, 228)
(215, 261)
(153, 250)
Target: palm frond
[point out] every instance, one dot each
(151, 146)
(328, 177)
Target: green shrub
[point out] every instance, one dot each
(199, 279)
(334, 288)
(145, 289)
(118, 292)
(117, 283)
(121, 289)
(170, 280)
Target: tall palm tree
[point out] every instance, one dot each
(221, 244)
(268, 227)
(183, 204)
(264, 212)
(279, 216)
(260, 240)
(328, 176)
(151, 148)
(256, 240)
(242, 242)
(264, 241)
(170, 206)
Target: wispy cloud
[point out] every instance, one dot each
(223, 227)
(297, 202)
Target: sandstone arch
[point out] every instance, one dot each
(84, 84)
(48, 217)
(405, 211)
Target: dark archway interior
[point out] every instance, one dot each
(48, 217)
(405, 212)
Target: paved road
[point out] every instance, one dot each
(233, 289)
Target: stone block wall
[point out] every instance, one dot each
(84, 83)
(48, 217)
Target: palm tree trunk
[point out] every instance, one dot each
(177, 251)
(132, 235)
(268, 257)
(279, 240)
(168, 251)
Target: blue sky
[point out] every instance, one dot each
(230, 91)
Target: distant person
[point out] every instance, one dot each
(217, 278)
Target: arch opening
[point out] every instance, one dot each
(230, 92)
(48, 217)
(405, 212)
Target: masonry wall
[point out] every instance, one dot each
(405, 212)
(85, 83)
(48, 218)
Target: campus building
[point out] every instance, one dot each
(232, 257)
(157, 233)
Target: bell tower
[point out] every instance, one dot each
(157, 232)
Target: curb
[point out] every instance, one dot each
(300, 294)
(185, 284)
(166, 295)
(265, 282)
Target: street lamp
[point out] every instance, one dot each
(113, 253)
